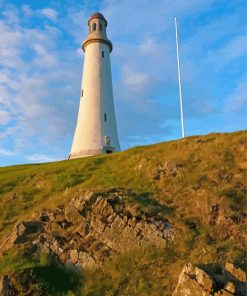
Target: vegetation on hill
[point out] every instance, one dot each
(198, 184)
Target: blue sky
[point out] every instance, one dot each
(41, 67)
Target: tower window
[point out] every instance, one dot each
(105, 117)
(100, 27)
(94, 27)
(82, 92)
(102, 53)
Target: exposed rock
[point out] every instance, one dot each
(188, 285)
(93, 226)
(85, 260)
(204, 279)
(21, 233)
(169, 168)
(237, 273)
(194, 281)
(6, 287)
(230, 287)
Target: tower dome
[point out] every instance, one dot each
(97, 31)
(97, 15)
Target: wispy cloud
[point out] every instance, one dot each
(49, 13)
(6, 152)
(41, 67)
(237, 100)
(40, 158)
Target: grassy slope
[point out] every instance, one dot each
(212, 172)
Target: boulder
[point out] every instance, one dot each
(230, 287)
(204, 279)
(188, 285)
(194, 281)
(232, 271)
(21, 233)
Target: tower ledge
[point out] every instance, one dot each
(92, 40)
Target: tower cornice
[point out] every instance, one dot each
(93, 40)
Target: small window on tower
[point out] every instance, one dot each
(100, 27)
(102, 53)
(82, 92)
(105, 117)
(94, 27)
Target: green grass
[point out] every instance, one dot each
(212, 170)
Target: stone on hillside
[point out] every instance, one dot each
(193, 281)
(6, 287)
(237, 273)
(223, 292)
(90, 228)
(204, 279)
(86, 260)
(169, 168)
(20, 233)
(74, 255)
(230, 287)
(188, 285)
(77, 207)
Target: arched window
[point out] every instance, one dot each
(94, 27)
(100, 27)
(102, 53)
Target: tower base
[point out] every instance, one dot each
(91, 152)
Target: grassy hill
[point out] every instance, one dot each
(198, 183)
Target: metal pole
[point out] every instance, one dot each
(179, 80)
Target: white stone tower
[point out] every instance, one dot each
(96, 129)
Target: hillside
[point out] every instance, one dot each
(124, 223)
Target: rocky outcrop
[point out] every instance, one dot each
(22, 232)
(225, 281)
(92, 227)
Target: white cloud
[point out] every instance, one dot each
(40, 158)
(49, 13)
(6, 152)
(11, 15)
(4, 117)
(27, 10)
(224, 55)
(134, 79)
(237, 100)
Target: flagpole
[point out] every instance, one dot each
(179, 80)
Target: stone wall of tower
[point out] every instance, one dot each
(96, 117)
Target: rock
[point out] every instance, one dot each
(188, 285)
(6, 287)
(74, 255)
(86, 260)
(237, 273)
(204, 279)
(193, 281)
(93, 226)
(223, 292)
(21, 232)
(230, 287)
(169, 168)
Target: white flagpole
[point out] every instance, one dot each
(179, 80)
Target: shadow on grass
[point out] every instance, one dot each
(56, 279)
